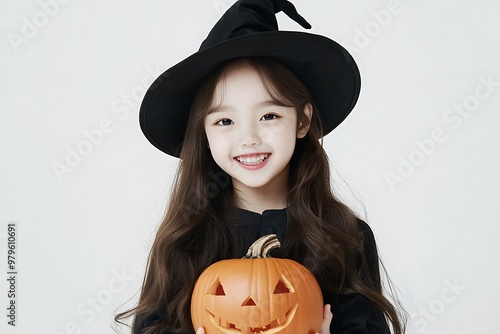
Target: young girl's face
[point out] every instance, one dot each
(250, 137)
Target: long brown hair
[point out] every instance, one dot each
(199, 225)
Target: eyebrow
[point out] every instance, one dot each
(261, 104)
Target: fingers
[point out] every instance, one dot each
(327, 313)
(327, 319)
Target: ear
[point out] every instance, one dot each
(303, 128)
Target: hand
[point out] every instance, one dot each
(200, 330)
(327, 319)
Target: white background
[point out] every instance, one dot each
(84, 234)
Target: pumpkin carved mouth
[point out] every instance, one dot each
(273, 327)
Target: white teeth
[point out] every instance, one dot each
(253, 160)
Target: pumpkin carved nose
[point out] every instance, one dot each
(249, 302)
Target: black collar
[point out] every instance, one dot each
(256, 225)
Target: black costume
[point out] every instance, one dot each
(352, 314)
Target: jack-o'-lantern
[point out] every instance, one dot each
(257, 294)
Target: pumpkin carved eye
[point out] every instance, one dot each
(216, 289)
(283, 286)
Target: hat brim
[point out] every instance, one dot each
(327, 70)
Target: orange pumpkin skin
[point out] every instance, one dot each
(257, 295)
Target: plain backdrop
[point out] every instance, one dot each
(418, 158)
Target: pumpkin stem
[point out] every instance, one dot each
(262, 247)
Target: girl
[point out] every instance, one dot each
(246, 115)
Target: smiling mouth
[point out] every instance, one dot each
(252, 160)
(272, 327)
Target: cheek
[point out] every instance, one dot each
(220, 150)
(283, 141)
(278, 133)
(216, 139)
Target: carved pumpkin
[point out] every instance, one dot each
(257, 294)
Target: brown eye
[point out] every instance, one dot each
(224, 121)
(269, 117)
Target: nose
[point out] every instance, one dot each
(249, 136)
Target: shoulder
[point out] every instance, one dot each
(356, 314)
(367, 233)
(367, 239)
(367, 261)
(364, 227)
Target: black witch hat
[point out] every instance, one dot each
(249, 29)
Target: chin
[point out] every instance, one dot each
(257, 184)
